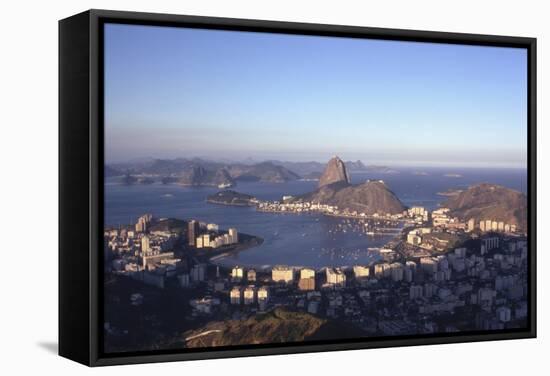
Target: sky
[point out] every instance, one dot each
(229, 95)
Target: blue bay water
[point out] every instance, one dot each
(291, 239)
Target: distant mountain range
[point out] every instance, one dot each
(197, 171)
(490, 202)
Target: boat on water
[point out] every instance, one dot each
(225, 185)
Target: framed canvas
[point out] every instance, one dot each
(234, 187)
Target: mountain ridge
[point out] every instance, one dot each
(201, 172)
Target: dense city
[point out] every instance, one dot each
(439, 274)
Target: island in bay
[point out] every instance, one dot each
(230, 197)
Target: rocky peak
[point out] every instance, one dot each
(335, 172)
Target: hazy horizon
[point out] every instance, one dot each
(251, 160)
(175, 92)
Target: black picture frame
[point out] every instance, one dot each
(81, 183)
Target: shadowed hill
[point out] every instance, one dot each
(278, 326)
(490, 202)
(370, 197)
(335, 189)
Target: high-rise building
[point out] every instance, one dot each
(471, 224)
(145, 244)
(387, 269)
(408, 275)
(206, 241)
(235, 295)
(263, 298)
(413, 238)
(439, 276)
(143, 222)
(415, 292)
(306, 284)
(429, 290)
(442, 262)
(282, 274)
(249, 295)
(379, 270)
(396, 271)
(212, 227)
(429, 264)
(440, 217)
(234, 235)
(504, 314)
(361, 271)
(490, 243)
(184, 280)
(460, 252)
(417, 210)
(198, 273)
(307, 273)
(141, 226)
(193, 231)
(237, 273)
(335, 277)
(307, 280)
